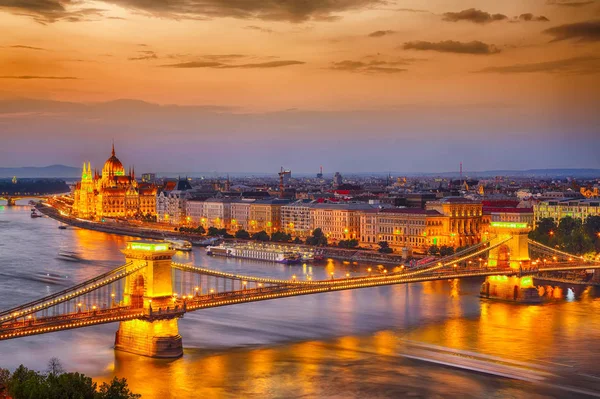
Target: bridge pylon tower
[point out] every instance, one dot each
(515, 252)
(150, 288)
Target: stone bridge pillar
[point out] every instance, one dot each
(515, 252)
(157, 334)
(11, 201)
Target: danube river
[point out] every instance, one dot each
(340, 344)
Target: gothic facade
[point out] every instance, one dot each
(112, 194)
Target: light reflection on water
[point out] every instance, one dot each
(342, 344)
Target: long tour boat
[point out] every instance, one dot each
(266, 252)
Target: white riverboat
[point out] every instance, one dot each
(180, 245)
(266, 252)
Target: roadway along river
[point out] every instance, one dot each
(341, 344)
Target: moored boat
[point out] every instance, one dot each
(180, 245)
(34, 214)
(266, 252)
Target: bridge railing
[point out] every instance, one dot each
(70, 293)
(556, 251)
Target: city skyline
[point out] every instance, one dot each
(355, 85)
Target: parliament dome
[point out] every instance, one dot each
(112, 166)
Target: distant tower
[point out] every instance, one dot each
(284, 178)
(227, 184)
(337, 179)
(460, 174)
(320, 174)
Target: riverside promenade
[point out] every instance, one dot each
(156, 233)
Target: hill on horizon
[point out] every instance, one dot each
(64, 171)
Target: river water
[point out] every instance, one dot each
(339, 344)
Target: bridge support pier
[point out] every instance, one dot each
(10, 201)
(513, 289)
(158, 338)
(150, 290)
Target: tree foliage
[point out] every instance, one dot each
(570, 235)
(384, 247)
(215, 232)
(440, 251)
(317, 238)
(280, 236)
(193, 230)
(348, 243)
(29, 384)
(242, 234)
(261, 236)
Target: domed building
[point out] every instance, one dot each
(112, 194)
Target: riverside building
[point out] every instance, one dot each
(112, 194)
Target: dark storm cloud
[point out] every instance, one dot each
(220, 65)
(530, 17)
(269, 64)
(144, 55)
(27, 77)
(21, 46)
(383, 67)
(381, 33)
(410, 10)
(259, 29)
(194, 64)
(223, 57)
(588, 31)
(568, 3)
(473, 15)
(571, 66)
(48, 11)
(451, 46)
(273, 10)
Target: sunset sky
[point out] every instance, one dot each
(252, 85)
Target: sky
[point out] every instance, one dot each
(253, 85)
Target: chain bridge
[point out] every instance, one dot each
(149, 293)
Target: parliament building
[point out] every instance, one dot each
(113, 194)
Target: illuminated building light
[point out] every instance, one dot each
(148, 246)
(509, 225)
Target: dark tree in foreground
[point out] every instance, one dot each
(56, 384)
(384, 247)
(242, 235)
(317, 238)
(261, 236)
